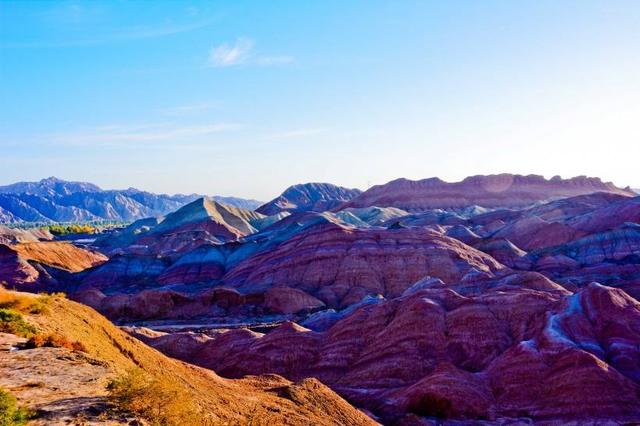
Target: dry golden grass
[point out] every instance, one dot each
(53, 340)
(12, 307)
(27, 303)
(17, 301)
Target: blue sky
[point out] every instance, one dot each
(245, 98)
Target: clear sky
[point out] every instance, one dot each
(247, 97)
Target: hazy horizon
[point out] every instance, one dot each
(246, 99)
(275, 194)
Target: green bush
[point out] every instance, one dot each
(61, 230)
(12, 322)
(26, 303)
(157, 400)
(10, 413)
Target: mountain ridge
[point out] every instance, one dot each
(57, 200)
(499, 190)
(311, 196)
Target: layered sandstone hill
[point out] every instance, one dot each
(253, 400)
(524, 348)
(340, 265)
(61, 255)
(14, 235)
(203, 221)
(303, 264)
(464, 313)
(504, 190)
(35, 266)
(317, 197)
(374, 216)
(561, 221)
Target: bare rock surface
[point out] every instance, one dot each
(504, 190)
(521, 350)
(62, 386)
(340, 266)
(309, 197)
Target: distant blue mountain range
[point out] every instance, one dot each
(57, 200)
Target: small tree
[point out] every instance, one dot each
(10, 413)
(159, 401)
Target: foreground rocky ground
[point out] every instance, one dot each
(61, 384)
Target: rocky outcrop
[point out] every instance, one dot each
(120, 272)
(505, 252)
(15, 235)
(518, 350)
(317, 197)
(205, 264)
(36, 266)
(620, 245)
(287, 300)
(203, 221)
(57, 381)
(374, 216)
(504, 190)
(461, 313)
(341, 265)
(16, 271)
(564, 220)
(60, 255)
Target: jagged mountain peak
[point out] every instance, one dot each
(57, 200)
(312, 196)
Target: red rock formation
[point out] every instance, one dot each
(286, 300)
(340, 266)
(61, 255)
(503, 190)
(566, 220)
(126, 271)
(15, 235)
(459, 335)
(206, 263)
(617, 245)
(15, 271)
(447, 392)
(203, 221)
(32, 266)
(316, 197)
(515, 351)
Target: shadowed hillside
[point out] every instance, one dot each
(254, 400)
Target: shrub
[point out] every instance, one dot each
(10, 413)
(27, 303)
(16, 301)
(13, 323)
(53, 340)
(41, 304)
(61, 230)
(159, 401)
